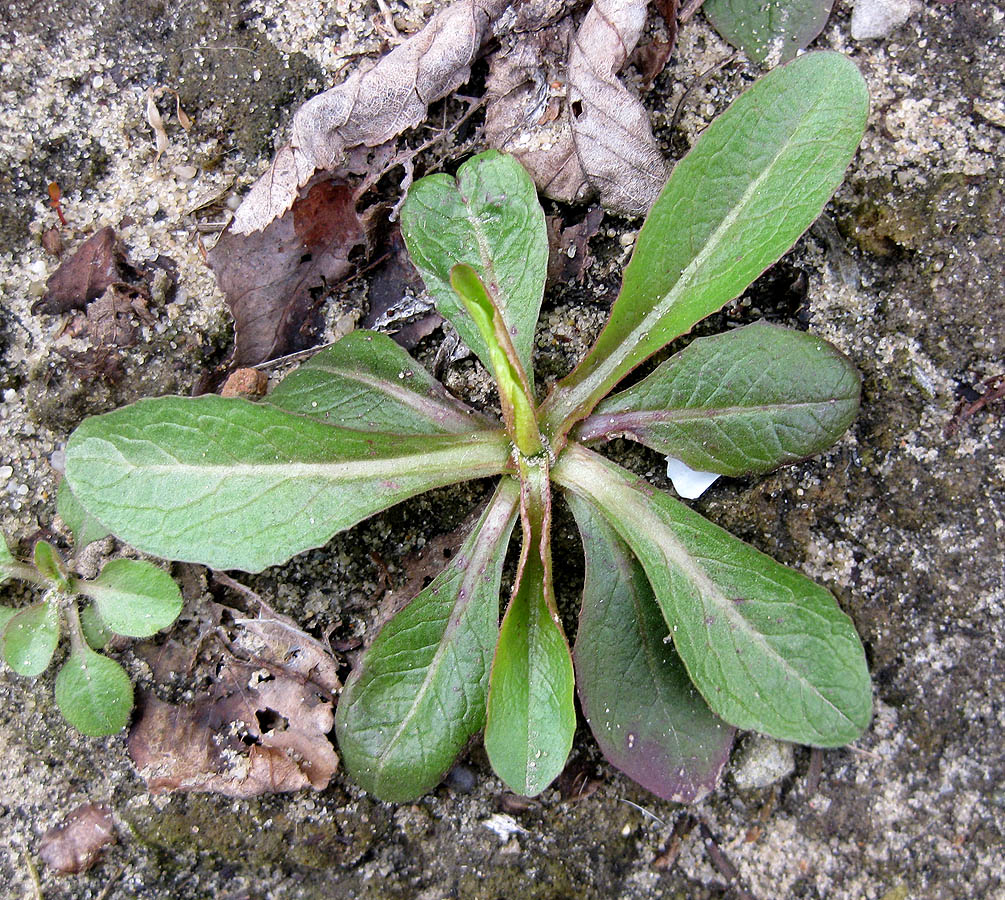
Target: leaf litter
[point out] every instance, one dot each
(272, 279)
(553, 99)
(262, 727)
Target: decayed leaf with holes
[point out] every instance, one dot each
(269, 277)
(274, 636)
(601, 142)
(258, 733)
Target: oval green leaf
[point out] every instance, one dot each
(769, 31)
(418, 693)
(531, 716)
(94, 693)
(769, 649)
(238, 485)
(96, 633)
(367, 382)
(488, 217)
(754, 181)
(738, 403)
(7, 561)
(83, 526)
(49, 564)
(133, 597)
(647, 716)
(30, 638)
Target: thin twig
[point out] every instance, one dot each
(698, 82)
(33, 873)
(689, 11)
(108, 885)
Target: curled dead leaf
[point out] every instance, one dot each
(75, 845)
(602, 142)
(372, 106)
(94, 266)
(270, 278)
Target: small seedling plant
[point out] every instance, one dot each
(685, 633)
(129, 597)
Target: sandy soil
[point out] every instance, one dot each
(902, 520)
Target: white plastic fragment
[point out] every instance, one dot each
(688, 482)
(504, 826)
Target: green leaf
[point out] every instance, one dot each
(755, 180)
(367, 382)
(239, 485)
(95, 631)
(133, 597)
(769, 31)
(737, 403)
(7, 561)
(531, 717)
(514, 389)
(94, 693)
(83, 526)
(6, 614)
(645, 713)
(30, 638)
(49, 564)
(418, 693)
(489, 218)
(768, 649)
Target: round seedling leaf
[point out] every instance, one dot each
(7, 561)
(84, 527)
(134, 598)
(96, 632)
(94, 693)
(30, 639)
(48, 562)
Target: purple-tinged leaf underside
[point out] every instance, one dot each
(769, 649)
(419, 692)
(738, 403)
(647, 716)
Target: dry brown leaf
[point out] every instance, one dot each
(261, 729)
(372, 106)
(75, 845)
(269, 277)
(273, 636)
(602, 143)
(569, 254)
(95, 265)
(114, 319)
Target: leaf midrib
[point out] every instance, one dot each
(610, 366)
(677, 554)
(429, 407)
(473, 573)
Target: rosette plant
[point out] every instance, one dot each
(685, 633)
